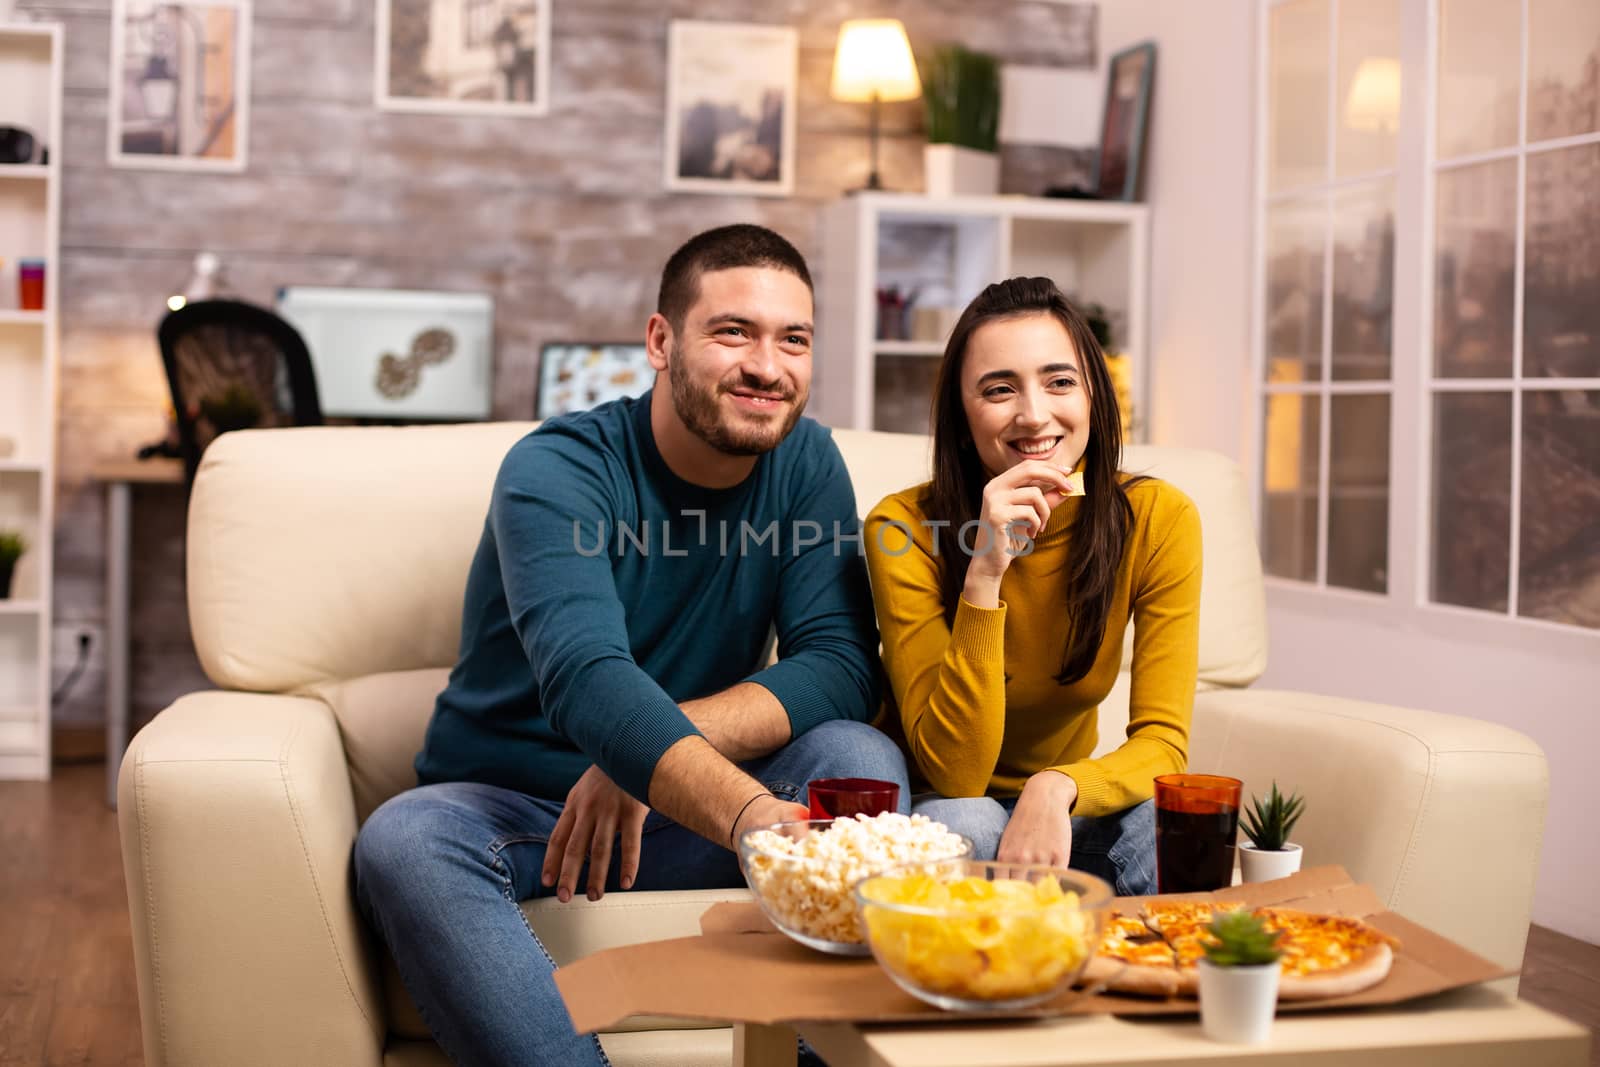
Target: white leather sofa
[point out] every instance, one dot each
(326, 569)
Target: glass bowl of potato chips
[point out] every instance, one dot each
(972, 936)
(802, 873)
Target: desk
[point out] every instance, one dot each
(1471, 1026)
(119, 479)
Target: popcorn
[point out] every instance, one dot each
(805, 882)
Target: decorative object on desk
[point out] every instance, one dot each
(19, 147)
(180, 84)
(12, 546)
(398, 376)
(30, 284)
(731, 90)
(577, 376)
(1129, 77)
(484, 57)
(873, 64)
(205, 282)
(961, 99)
(227, 365)
(1239, 979)
(1270, 854)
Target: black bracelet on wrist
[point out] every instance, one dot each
(735, 827)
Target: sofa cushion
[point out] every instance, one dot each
(291, 583)
(382, 718)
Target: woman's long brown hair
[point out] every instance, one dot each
(956, 493)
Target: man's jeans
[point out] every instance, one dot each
(440, 869)
(1120, 848)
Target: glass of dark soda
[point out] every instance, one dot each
(1197, 818)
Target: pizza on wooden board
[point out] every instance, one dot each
(1157, 952)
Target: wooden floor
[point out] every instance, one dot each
(67, 992)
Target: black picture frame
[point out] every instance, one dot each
(1130, 76)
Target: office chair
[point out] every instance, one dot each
(234, 366)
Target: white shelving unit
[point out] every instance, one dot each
(30, 213)
(946, 250)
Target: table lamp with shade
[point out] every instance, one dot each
(873, 63)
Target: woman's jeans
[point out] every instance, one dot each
(439, 871)
(1120, 848)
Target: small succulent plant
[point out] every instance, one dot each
(1268, 825)
(1242, 940)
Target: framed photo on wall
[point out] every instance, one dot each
(730, 108)
(180, 85)
(484, 57)
(1129, 78)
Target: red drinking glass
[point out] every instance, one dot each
(1197, 818)
(841, 798)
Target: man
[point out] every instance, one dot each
(609, 724)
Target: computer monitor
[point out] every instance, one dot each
(395, 353)
(575, 376)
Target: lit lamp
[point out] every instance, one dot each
(873, 63)
(1374, 100)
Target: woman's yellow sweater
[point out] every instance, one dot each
(978, 704)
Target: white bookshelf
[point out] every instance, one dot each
(30, 212)
(948, 249)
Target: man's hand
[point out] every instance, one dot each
(597, 811)
(1040, 830)
(764, 811)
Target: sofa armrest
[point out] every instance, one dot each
(1442, 815)
(237, 820)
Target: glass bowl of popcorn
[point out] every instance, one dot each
(802, 873)
(971, 936)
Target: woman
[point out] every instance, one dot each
(1004, 594)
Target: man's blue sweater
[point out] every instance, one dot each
(605, 590)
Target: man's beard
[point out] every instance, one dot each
(701, 412)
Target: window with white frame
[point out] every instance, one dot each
(1495, 384)
(1513, 375)
(1333, 98)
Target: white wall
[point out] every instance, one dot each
(1199, 182)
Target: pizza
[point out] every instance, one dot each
(1157, 951)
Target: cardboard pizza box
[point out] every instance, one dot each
(740, 969)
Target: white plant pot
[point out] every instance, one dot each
(1237, 1003)
(950, 170)
(1260, 865)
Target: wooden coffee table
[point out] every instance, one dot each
(1473, 1027)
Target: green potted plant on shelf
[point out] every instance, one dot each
(12, 546)
(961, 100)
(1270, 854)
(1239, 979)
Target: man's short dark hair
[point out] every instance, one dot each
(724, 248)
